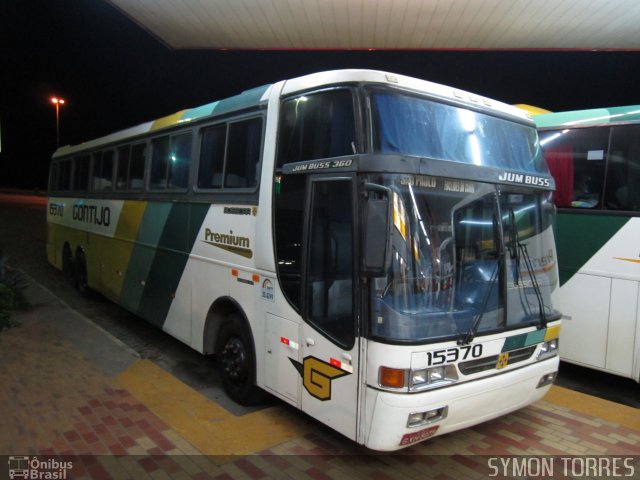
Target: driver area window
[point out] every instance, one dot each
(330, 261)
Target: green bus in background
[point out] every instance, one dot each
(594, 157)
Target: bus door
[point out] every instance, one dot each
(329, 343)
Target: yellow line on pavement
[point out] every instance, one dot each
(205, 424)
(597, 407)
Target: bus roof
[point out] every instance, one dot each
(260, 95)
(596, 116)
(246, 99)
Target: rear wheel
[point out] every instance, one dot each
(236, 362)
(80, 274)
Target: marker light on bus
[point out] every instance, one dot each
(392, 377)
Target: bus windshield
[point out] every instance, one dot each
(467, 258)
(411, 125)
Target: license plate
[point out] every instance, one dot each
(414, 437)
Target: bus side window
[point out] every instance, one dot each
(243, 154)
(623, 171)
(289, 218)
(179, 161)
(330, 261)
(170, 161)
(576, 159)
(136, 167)
(64, 175)
(80, 173)
(53, 176)
(212, 148)
(101, 180)
(123, 167)
(318, 125)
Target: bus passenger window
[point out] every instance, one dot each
(180, 159)
(80, 173)
(136, 167)
(122, 172)
(64, 175)
(170, 161)
(243, 154)
(212, 157)
(102, 177)
(159, 163)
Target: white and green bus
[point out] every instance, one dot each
(594, 156)
(374, 249)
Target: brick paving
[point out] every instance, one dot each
(56, 402)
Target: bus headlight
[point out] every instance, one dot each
(420, 379)
(549, 349)
(432, 377)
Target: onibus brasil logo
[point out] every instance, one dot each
(34, 468)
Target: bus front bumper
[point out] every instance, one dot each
(452, 408)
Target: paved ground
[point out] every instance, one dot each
(72, 391)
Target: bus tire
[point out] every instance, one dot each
(80, 280)
(67, 262)
(236, 362)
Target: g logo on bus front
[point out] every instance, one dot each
(317, 376)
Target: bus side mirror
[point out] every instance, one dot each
(377, 240)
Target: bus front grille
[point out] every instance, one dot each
(490, 363)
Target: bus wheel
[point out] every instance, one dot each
(67, 263)
(80, 275)
(236, 362)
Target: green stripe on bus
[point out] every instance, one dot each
(524, 340)
(580, 236)
(149, 232)
(169, 261)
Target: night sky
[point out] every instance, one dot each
(113, 75)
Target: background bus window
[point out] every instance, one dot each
(576, 159)
(102, 178)
(212, 157)
(243, 154)
(80, 173)
(319, 125)
(623, 171)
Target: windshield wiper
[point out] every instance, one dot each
(521, 247)
(534, 282)
(467, 338)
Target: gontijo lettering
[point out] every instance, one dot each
(91, 214)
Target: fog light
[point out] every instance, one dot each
(423, 418)
(547, 379)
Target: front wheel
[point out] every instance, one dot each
(236, 362)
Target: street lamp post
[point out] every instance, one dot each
(57, 102)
